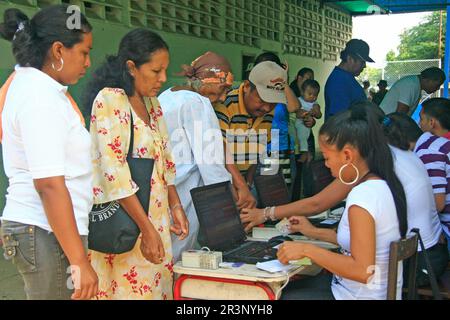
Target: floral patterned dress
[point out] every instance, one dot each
(130, 275)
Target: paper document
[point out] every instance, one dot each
(301, 262)
(283, 226)
(276, 266)
(329, 221)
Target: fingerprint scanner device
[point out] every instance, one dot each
(203, 259)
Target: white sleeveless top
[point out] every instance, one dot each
(375, 197)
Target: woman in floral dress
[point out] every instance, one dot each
(124, 89)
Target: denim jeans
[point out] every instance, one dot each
(39, 259)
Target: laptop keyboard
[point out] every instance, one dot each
(254, 250)
(252, 253)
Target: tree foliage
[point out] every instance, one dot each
(373, 75)
(421, 41)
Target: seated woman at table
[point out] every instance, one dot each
(356, 151)
(401, 132)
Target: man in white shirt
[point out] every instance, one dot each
(195, 135)
(405, 94)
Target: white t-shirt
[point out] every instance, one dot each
(197, 149)
(43, 137)
(375, 197)
(407, 91)
(421, 206)
(307, 106)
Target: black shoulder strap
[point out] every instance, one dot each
(130, 147)
(433, 282)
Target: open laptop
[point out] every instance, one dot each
(221, 228)
(273, 191)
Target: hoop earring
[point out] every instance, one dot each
(354, 180)
(60, 68)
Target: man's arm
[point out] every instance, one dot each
(245, 197)
(440, 201)
(251, 174)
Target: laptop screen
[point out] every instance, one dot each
(220, 224)
(272, 190)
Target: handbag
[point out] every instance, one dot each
(111, 229)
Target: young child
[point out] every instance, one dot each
(309, 108)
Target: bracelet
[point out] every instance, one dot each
(272, 214)
(176, 206)
(265, 212)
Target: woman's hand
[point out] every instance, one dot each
(252, 218)
(301, 224)
(85, 281)
(291, 250)
(180, 225)
(152, 247)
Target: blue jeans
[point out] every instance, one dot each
(39, 259)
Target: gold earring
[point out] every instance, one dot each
(354, 180)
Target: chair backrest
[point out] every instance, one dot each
(316, 176)
(401, 250)
(272, 190)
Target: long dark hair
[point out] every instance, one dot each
(300, 73)
(32, 39)
(360, 128)
(401, 130)
(137, 45)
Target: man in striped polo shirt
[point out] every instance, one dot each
(433, 148)
(246, 116)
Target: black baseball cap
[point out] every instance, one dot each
(382, 83)
(360, 48)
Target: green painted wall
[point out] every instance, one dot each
(301, 31)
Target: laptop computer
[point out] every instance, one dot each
(272, 191)
(221, 228)
(318, 176)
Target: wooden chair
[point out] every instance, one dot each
(401, 250)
